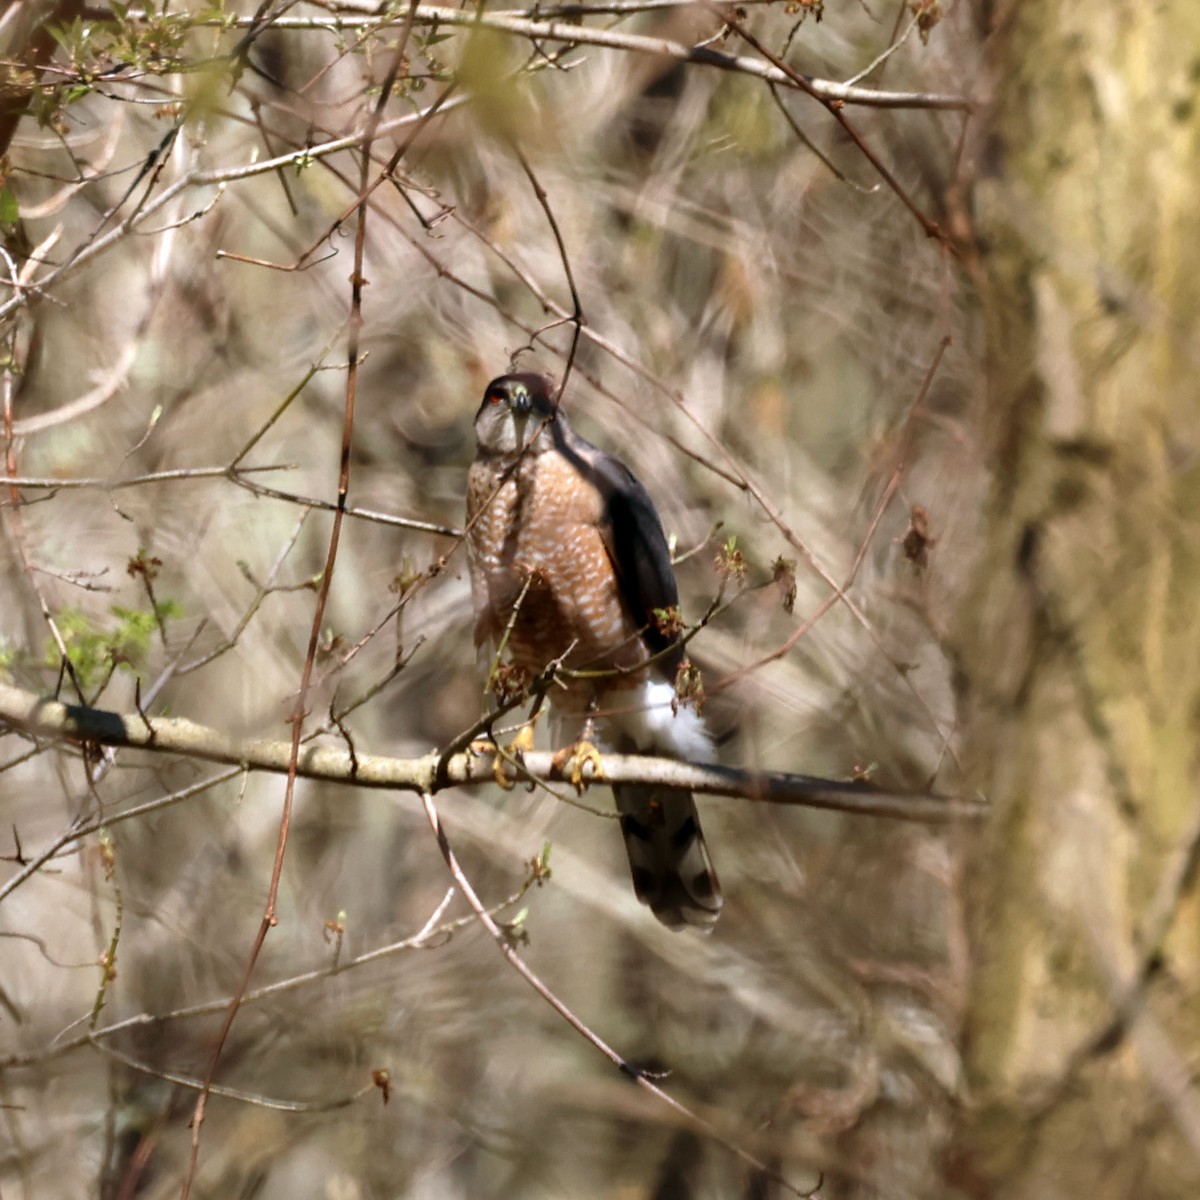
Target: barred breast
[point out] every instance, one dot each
(543, 526)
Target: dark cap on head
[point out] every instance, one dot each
(523, 392)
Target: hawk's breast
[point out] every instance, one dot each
(542, 527)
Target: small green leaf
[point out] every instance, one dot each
(168, 610)
(10, 211)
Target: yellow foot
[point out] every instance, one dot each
(523, 741)
(572, 760)
(515, 749)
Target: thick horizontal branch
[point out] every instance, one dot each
(572, 33)
(429, 773)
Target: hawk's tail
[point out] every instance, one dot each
(668, 859)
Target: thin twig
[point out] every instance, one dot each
(212, 178)
(113, 484)
(357, 281)
(84, 829)
(435, 932)
(347, 510)
(577, 306)
(835, 104)
(257, 1099)
(522, 968)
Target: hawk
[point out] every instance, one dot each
(568, 564)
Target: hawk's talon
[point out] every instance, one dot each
(522, 742)
(498, 771)
(572, 760)
(515, 749)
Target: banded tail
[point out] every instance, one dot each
(672, 872)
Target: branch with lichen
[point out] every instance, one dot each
(51, 719)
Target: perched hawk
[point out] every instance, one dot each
(567, 555)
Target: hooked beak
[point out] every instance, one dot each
(522, 403)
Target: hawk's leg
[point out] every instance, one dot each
(573, 759)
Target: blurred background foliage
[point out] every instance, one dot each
(783, 356)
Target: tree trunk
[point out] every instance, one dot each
(1080, 648)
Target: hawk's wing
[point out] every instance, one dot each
(634, 538)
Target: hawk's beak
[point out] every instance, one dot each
(521, 403)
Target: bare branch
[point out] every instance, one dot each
(112, 483)
(640, 1077)
(212, 178)
(229, 1093)
(585, 35)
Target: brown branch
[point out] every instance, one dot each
(577, 317)
(357, 282)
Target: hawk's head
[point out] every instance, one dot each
(516, 413)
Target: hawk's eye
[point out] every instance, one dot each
(495, 396)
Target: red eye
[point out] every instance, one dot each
(495, 396)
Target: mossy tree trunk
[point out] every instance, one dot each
(1080, 647)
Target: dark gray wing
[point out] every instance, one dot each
(635, 540)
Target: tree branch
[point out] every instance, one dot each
(571, 33)
(34, 42)
(171, 735)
